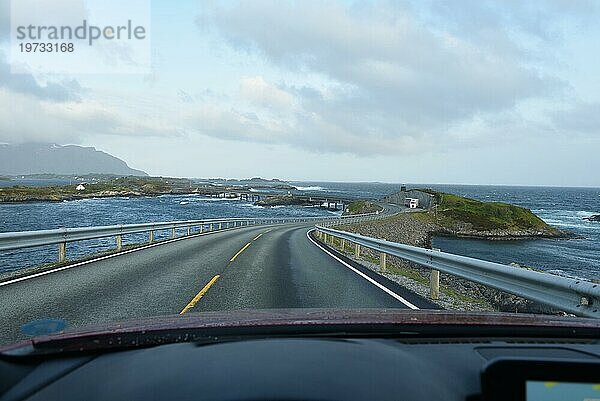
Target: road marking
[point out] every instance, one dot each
(369, 279)
(257, 237)
(113, 255)
(194, 301)
(240, 251)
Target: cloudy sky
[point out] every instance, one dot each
(478, 92)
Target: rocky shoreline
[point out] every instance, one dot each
(456, 293)
(464, 230)
(72, 197)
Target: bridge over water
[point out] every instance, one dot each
(314, 199)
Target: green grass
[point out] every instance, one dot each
(362, 206)
(483, 215)
(57, 193)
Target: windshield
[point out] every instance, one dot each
(163, 158)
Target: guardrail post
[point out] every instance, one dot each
(189, 230)
(220, 225)
(434, 281)
(173, 232)
(62, 252)
(579, 297)
(343, 245)
(434, 284)
(382, 261)
(210, 227)
(119, 242)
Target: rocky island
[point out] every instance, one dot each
(362, 207)
(108, 185)
(462, 217)
(115, 186)
(454, 215)
(594, 217)
(282, 200)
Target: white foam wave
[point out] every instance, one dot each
(216, 199)
(315, 188)
(560, 272)
(567, 218)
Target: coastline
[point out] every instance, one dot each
(456, 293)
(63, 198)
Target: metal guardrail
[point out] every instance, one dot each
(579, 297)
(62, 236)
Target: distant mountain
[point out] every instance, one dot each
(39, 158)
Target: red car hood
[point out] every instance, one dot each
(298, 322)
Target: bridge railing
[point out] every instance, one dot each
(62, 236)
(579, 297)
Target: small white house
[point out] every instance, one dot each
(80, 187)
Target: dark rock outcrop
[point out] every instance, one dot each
(595, 217)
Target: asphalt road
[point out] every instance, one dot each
(248, 268)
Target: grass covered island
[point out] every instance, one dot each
(454, 215)
(361, 207)
(119, 186)
(464, 217)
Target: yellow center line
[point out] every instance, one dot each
(194, 301)
(240, 251)
(257, 237)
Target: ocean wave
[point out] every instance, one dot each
(315, 188)
(216, 199)
(583, 225)
(570, 218)
(562, 273)
(83, 200)
(251, 205)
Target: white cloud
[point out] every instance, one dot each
(257, 91)
(61, 90)
(26, 118)
(581, 118)
(399, 81)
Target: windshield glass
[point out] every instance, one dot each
(167, 158)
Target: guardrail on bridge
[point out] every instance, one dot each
(62, 236)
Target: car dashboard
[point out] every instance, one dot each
(309, 368)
